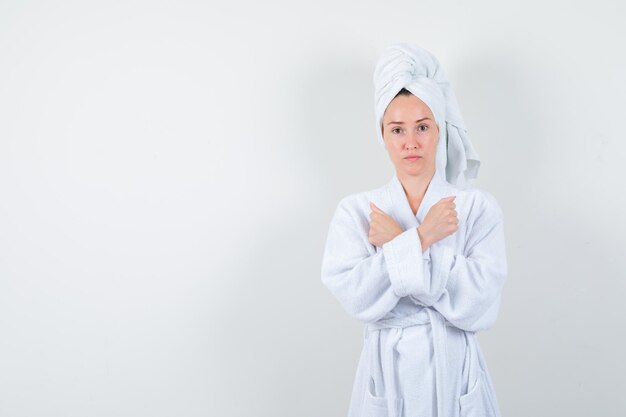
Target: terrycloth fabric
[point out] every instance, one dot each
(404, 65)
(420, 356)
(421, 310)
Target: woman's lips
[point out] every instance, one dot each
(412, 158)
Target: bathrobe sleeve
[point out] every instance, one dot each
(471, 283)
(367, 283)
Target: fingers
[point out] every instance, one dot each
(448, 201)
(376, 211)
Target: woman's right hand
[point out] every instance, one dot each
(440, 221)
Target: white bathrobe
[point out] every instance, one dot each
(420, 356)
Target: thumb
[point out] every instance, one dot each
(375, 208)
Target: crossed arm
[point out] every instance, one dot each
(464, 288)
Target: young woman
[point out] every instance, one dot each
(421, 260)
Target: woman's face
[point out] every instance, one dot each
(409, 128)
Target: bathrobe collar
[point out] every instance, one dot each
(436, 190)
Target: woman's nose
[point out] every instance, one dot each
(412, 141)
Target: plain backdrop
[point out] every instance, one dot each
(168, 171)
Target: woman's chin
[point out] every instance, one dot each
(412, 170)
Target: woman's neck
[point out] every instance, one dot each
(415, 186)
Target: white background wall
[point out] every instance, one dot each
(168, 171)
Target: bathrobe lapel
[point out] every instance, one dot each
(400, 207)
(436, 253)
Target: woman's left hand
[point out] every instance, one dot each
(383, 227)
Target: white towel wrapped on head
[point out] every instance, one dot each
(404, 65)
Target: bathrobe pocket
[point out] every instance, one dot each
(376, 406)
(476, 402)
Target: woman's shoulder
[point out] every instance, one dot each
(479, 201)
(360, 200)
(357, 204)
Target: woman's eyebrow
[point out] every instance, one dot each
(417, 121)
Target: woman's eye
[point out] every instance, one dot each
(423, 126)
(396, 130)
